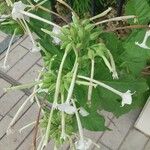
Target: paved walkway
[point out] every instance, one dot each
(24, 67)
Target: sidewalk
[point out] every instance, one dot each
(24, 67)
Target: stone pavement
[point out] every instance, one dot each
(24, 67)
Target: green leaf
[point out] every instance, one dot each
(138, 8)
(94, 122)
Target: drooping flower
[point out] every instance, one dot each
(56, 31)
(83, 112)
(127, 98)
(17, 7)
(67, 108)
(35, 48)
(83, 144)
(143, 44)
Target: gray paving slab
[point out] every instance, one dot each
(27, 43)
(9, 100)
(3, 125)
(3, 84)
(13, 111)
(23, 65)
(15, 55)
(31, 75)
(134, 141)
(11, 142)
(13, 46)
(147, 146)
(1, 38)
(120, 128)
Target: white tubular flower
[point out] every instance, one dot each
(83, 144)
(35, 48)
(143, 44)
(67, 108)
(17, 7)
(126, 98)
(83, 112)
(56, 31)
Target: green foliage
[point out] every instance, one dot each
(83, 42)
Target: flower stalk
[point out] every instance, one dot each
(4, 65)
(91, 86)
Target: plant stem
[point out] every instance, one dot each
(78, 122)
(63, 133)
(19, 111)
(65, 4)
(27, 126)
(71, 88)
(101, 14)
(39, 18)
(29, 33)
(8, 50)
(55, 99)
(116, 19)
(85, 83)
(102, 85)
(91, 86)
(52, 12)
(24, 86)
(127, 27)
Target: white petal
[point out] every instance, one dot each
(115, 75)
(67, 108)
(35, 49)
(56, 31)
(4, 67)
(83, 144)
(83, 112)
(127, 98)
(17, 7)
(142, 45)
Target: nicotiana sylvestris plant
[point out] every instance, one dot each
(79, 78)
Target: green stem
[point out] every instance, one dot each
(91, 86)
(55, 99)
(78, 122)
(24, 86)
(39, 18)
(71, 88)
(102, 85)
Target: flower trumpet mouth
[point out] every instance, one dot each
(143, 44)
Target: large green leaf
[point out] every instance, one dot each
(139, 8)
(94, 122)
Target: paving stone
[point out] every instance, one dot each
(94, 136)
(17, 106)
(3, 34)
(147, 146)
(134, 141)
(15, 55)
(1, 38)
(119, 127)
(23, 65)
(143, 122)
(3, 125)
(102, 147)
(12, 141)
(40, 62)
(14, 45)
(3, 84)
(31, 75)
(27, 43)
(26, 145)
(9, 100)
